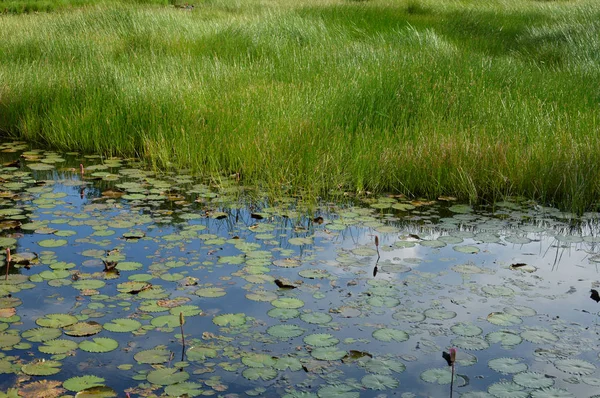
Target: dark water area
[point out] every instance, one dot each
(350, 297)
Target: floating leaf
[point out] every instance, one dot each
(82, 382)
(552, 392)
(503, 319)
(200, 353)
(97, 392)
(532, 380)
(316, 317)
(41, 368)
(338, 391)
(440, 314)
(285, 331)
(321, 340)
(99, 344)
(258, 360)
(41, 334)
(187, 388)
(505, 389)
(122, 325)
(266, 373)
(437, 376)
(290, 363)
(52, 242)
(210, 292)
(56, 320)
(466, 329)
(153, 356)
(575, 366)
(379, 382)
(539, 336)
(82, 329)
(230, 320)
(167, 376)
(387, 334)
(8, 340)
(42, 389)
(58, 346)
(328, 353)
(470, 343)
(287, 302)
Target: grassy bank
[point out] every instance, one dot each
(473, 99)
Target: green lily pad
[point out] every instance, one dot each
(316, 317)
(328, 353)
(533, 380)
(287, 302)
(41, 368)
(266, 373)
(338, 391)
(41, 334)
(321, 340)
(97, 392)
(575, 366)
(211, 292)
(53, 242)
(122, 325)
(379, 382)
(153, 356)
(58, 346)
(83, 382)
(387, 334)
(285, 331)
(167, 376)
(230, 320)
(81, 329)
(56, 320)
(99, 344)
(186, 388)
(507, 365)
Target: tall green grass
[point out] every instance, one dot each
(478, 100)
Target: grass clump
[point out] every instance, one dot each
(477, 100)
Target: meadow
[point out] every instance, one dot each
(475, 99)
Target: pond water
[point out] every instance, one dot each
(354, 298)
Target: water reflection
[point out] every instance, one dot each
(444, 277)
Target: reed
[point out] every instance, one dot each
(479, 100)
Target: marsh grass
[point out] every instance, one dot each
(476, 100)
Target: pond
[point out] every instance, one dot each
(111, 264)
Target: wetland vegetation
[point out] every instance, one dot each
(479, 100)
(107, 265)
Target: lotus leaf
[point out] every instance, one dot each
(167, 376)
(287, 302)
(82, 382)
(321, 340)
(387, 334)
(285, 331)
(290, 363)
(41, 368)
(316, 317)
(505, 389)
(200, 353)
(232, 320)
(338, 391)
(265, 373)
(41, 334)
(328, 353)
(575, 366)
(153, 356)
(122, 325)
(379, 382)
(82, 329)
(97, 392)
(258, 360)
(552, 392)
(58, 346)
(186, 388)
(99, 344)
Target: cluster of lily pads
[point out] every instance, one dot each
(119, 280)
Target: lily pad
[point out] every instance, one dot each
(99, 344)
(83, 382)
